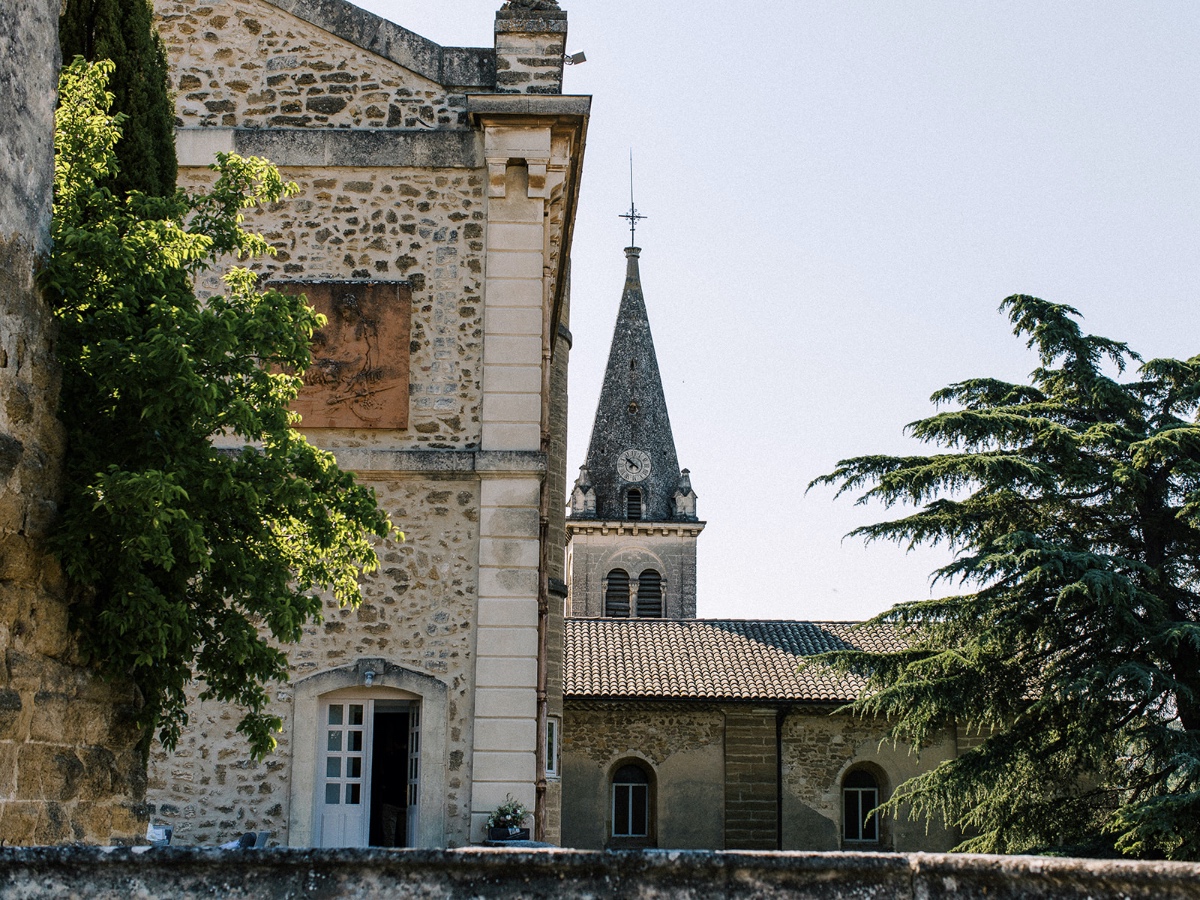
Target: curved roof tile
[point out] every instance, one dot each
(713, 659)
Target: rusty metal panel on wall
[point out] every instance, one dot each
(360, 358)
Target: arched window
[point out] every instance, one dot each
(633, 504)
(860, 795)
(616, 594)
(649, 595)
(631, 803)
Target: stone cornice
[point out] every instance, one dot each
(329, 147)
(633, 527)
(590, 703)
(372, 463)
(534, 105)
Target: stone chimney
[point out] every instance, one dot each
(531, 39)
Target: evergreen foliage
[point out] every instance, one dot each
(1072, 504)
(195, 520)
(123, 31)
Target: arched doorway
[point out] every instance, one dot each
(368, 758)
(368, 771)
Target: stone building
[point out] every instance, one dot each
(633, 526)
(693, 733)
(70, 769)
(433, 226)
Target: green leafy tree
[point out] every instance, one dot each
(1072, 505)
(123, 31)
(197, 523)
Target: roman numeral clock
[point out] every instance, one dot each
(634, 465)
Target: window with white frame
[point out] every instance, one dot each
(860, 796)
(553, 726)
(631, 802)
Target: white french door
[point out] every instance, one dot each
(343, 794)
(347, 769)
(414, 773)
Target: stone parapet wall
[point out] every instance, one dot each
(248, 63)
(535, 874)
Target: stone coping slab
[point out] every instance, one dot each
(462, 66)
(532, 874)
(333, 148)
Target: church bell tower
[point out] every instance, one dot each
(632, 526)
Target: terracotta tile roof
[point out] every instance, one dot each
(712, 659)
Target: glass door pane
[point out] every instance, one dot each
(341, 813)
(414, 773)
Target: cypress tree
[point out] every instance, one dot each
(123, 31)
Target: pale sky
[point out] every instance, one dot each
(839, 196)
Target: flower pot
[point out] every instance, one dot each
(508, 833)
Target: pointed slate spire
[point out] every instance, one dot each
(632, 432)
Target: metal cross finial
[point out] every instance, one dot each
(633, 215)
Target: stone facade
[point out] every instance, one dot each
(239, 63)
(70, 769)
(418, 610)
(416, 163)
(425, 226)
(681, 744)
(668, 548)
(727, 776)
(818, 750)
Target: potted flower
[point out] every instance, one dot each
(504, 823)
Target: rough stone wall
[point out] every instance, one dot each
(536, 874)
(370, 121)
(529, 51)
(69, 767)
(244, 63)
(818, 748)
(608, 731)
(417, 611)
(751, 779)
(682, 744)
(716, 771)
(423, 225)
(427, 226)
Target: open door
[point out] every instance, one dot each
(368, 784)
(414, 773)
(341, 803)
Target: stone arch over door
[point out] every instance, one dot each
(389, 679)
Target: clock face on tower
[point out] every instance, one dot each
(633, 465)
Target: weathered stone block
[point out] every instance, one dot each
(48, 772)
(325, 105)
